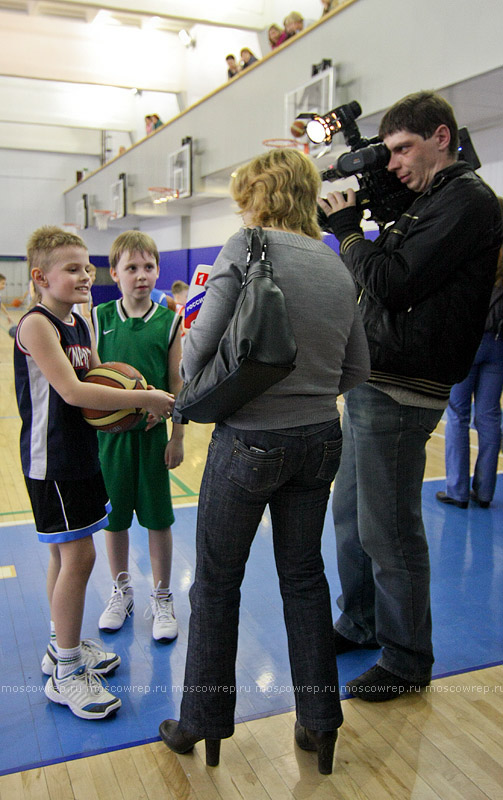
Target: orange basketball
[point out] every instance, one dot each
(16, 302)
(298, 128)
(119, 376)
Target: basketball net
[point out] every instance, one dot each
(101, 218)
(162, 194)
(280, 143)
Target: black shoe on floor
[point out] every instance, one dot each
(476, 499)
(378, 684)
(450, 501)
(344, 645)
(181, 742)
(322, 742)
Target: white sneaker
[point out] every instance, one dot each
(119, 606)
(165, 626)
(84, 694)
(93, 656)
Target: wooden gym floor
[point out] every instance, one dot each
(438, 744)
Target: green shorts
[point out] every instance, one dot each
(136, 478)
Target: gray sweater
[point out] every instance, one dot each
(321, 301)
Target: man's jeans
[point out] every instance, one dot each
(484, 382)
(291, 470)
(381, 544)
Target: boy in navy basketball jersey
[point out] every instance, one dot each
(59, 455)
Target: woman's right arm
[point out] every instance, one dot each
(222, 289)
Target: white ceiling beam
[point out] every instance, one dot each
(91, 14)
(247, 14)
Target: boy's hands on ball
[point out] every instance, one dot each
(159, 403)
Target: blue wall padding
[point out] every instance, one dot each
(173, 266)
(102, 294)
(202, 255)
(99, 261)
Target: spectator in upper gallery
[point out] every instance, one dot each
(274, 34)
(232, 66)
(247, 58)
(294, 23)
(156, 121)
(329, 5)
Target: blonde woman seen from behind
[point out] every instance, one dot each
(282, 449)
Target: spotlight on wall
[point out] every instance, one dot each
(186, 39)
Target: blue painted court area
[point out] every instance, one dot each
(467, 586)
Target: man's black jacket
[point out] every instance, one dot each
(425, 283)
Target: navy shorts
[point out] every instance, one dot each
(68, 510)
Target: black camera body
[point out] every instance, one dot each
(380, 190)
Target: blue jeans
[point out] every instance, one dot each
(291, 470)
(484, 383)
(382, 550)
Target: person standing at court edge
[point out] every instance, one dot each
(424, 288)
(281, 449)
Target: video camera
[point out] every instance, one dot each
(380, 191)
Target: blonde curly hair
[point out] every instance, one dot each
(279, 189)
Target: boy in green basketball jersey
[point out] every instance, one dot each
(135, 464)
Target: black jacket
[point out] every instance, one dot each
(426, 282)
(494, 321)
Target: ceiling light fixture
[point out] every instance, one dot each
(150, 23)
(186, 39)
(104, 17)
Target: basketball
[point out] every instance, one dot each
(118, 376)
(298, 128)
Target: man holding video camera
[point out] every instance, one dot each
(424, 288)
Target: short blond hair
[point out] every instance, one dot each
(132, 242)
(279, 189)
(45, 241)
(179, 286)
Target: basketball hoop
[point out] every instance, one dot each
(101, 218)
(280, 143)
(162, 194)
(70, 227)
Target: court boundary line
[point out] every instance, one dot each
(247, 718)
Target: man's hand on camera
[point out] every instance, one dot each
(343, 216)
(335, 201)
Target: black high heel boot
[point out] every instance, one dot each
(322, 742)
(181, 742)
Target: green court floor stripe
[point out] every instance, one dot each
(25, 511)
(182, 486)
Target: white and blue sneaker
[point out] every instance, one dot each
(119, 606)
(165, 626)
(84, 694)
(93, 656)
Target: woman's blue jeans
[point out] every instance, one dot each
(291, 471)
(484, 383)
(382, 552)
